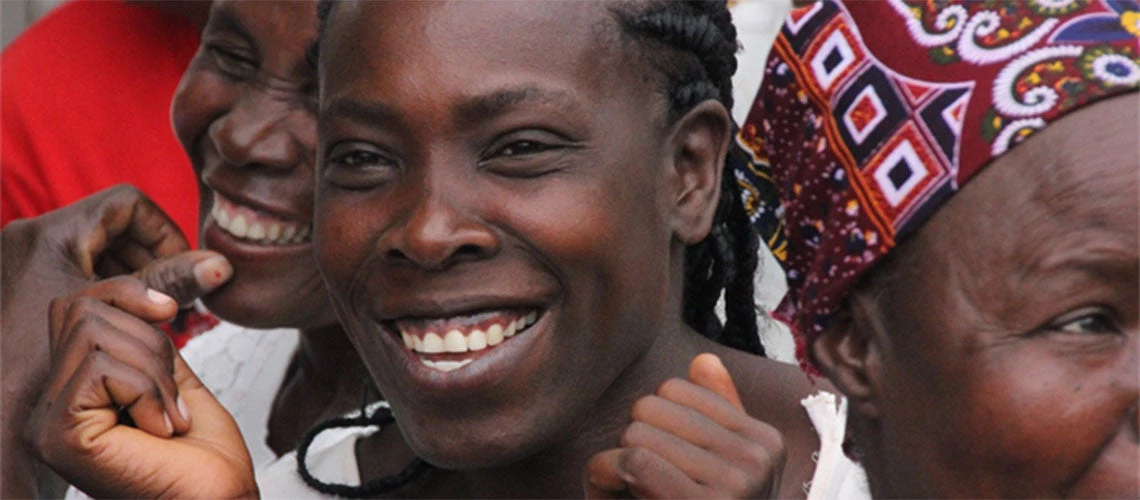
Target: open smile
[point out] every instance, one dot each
(449, 343)
(256, 227)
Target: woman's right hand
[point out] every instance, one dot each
(122, 414)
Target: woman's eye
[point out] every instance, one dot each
(1096, 323)
(518, 148)
(232, 62)
(357, 159)
(358, 167)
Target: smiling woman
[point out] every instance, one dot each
(524, 221)
(958, 191)
(524, 190)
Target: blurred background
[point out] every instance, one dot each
(15, 15)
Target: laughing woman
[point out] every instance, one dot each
(245, 115)
(525, 222)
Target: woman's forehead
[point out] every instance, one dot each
(487, 51)
(1070, 191)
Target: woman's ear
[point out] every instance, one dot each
(697, 148)
(850, 356)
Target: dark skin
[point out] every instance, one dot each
(499, 167)
(1016, 374)
(244, 112)
(116, 231)
(623, 392)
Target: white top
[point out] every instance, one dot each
(332, 458)
(244, 369)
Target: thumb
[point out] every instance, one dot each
(602, 477)
(187, 275)
(707, 371)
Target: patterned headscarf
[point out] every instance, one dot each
(873, 113)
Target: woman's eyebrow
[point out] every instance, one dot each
(488, 105)
(372, 113)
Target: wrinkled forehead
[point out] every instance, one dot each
(1072, 187)
(281, 31)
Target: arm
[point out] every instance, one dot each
(121, 414)
(112, 232)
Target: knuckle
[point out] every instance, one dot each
(636, 460)
(671, 388)
(124, 193)
(644, 407)
(635, 433)
(743, 484)
(758, 457)
(38, 441)
(171, 279)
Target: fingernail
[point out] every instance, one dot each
(158, 297)
(169, 426)
(213, 271)
(183, 409)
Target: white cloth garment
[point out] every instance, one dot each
(332, 459)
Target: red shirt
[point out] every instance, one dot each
(85, 104)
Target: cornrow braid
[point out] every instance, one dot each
(693, 45)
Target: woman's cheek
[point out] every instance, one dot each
(200, 99)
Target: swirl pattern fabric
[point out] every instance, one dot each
(873, 114)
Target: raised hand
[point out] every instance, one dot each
(691, 439)
(115, 231)
(121, 413)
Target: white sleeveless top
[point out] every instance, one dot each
(332, 458)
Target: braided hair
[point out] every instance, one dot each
(692, 45)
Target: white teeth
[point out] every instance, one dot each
(237, 226)
(454, 342)
(221, 216)
(432, 344)
(445, 366)
(274, 232)
(302, 235)
(476, 341)
(262, 229)
(256, 231)
(495, 335)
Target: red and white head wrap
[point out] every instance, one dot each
(873, 113)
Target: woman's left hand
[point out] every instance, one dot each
(691, 439)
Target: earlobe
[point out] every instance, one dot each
(849, 356)
(698, 146)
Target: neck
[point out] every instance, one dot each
(324, 380)
(558, 470)
(326, 356)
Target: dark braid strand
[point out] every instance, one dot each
(693, 45)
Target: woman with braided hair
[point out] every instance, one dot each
(524, 220)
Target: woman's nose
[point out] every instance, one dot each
(260, 132)
(436, 235)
